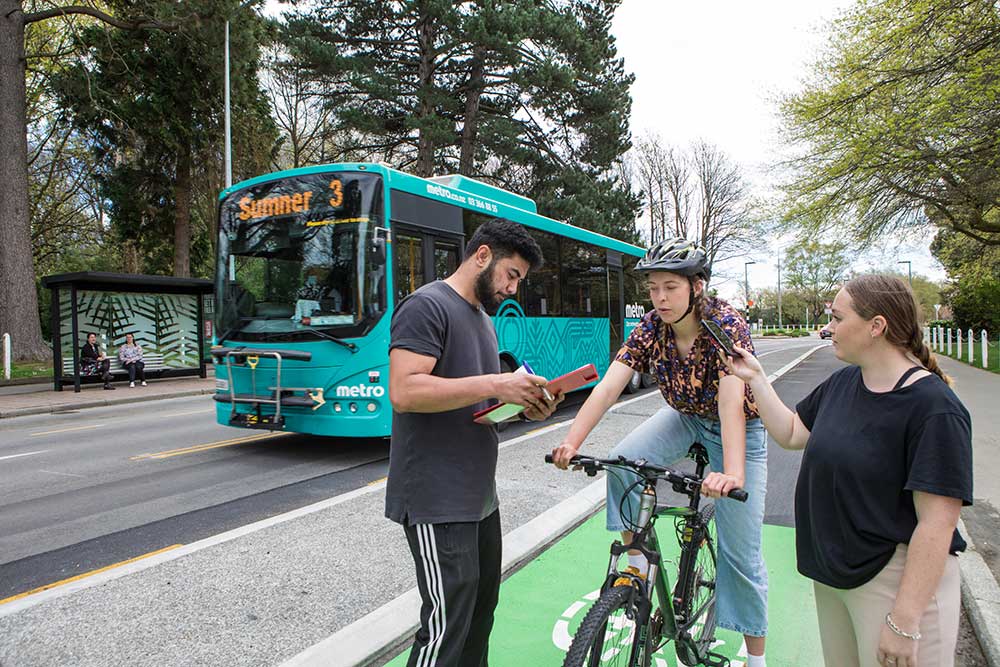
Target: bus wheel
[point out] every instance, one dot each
(648, 380)
(635, 384)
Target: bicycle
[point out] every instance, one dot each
(643, 613)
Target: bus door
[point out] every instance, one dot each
(616, 307)
(423, 256)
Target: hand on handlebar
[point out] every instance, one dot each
(563, 453)
(717, 484)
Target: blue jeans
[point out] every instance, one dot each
(664, 439)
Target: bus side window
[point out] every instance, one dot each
(409, 264)
(541, 296)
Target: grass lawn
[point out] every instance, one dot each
(29, 369)
(992, 354)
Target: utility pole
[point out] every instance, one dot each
(909, 270)
(779, 289)
(746, 284)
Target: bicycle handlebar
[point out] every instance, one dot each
(648, 470)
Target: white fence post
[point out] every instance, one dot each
(986, 348)
(949, 341)
(972, 345)
(958, 342)
(927, 336)
(6, 356)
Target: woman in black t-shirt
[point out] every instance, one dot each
(886, 472)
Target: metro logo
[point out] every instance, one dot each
(361, 391)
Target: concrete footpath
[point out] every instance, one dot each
(980, 392)
(19, 400)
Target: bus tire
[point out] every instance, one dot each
(635, 384)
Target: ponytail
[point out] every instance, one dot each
(926, 358)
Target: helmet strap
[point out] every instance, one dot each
(690, 303)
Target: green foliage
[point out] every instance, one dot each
(151, 101)
(975, 302)
(529, 96)
(900, 121)
(816, 270)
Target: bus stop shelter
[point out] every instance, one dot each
(166, 315)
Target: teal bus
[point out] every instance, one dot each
(311, 262)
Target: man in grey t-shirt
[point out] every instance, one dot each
(444, 366)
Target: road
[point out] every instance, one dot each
(84, 491)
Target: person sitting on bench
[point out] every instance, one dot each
(93, 361)
(130, 356)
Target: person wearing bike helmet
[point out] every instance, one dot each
(706, 403)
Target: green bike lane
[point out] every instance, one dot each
(542, 604)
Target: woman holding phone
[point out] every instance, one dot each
(706, 403)
(886, 469)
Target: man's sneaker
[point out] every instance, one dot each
(131, 385)
(627, 581)
(143, 383)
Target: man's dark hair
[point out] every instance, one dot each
(504, 239)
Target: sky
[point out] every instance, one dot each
(714, 70)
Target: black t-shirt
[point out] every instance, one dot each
(867, 452)
(442, 465)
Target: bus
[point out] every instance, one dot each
(312, 261)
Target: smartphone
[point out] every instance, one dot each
(716, 332)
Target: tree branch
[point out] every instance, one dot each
(98, 14)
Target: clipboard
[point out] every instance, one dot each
(564, 383)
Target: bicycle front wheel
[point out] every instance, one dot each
(607, 634)
(695, 590)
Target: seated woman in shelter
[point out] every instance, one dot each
(93, 361)
(130, 356)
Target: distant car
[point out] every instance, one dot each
(825, 333)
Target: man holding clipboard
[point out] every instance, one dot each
(444, 366)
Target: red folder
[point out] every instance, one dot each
(564, 383)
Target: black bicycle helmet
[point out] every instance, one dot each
(676, 255)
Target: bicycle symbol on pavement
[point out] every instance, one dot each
(619, 637)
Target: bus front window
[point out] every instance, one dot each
(300, 254)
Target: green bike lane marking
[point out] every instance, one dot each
(542, 604)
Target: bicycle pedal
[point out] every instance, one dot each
(715, 660)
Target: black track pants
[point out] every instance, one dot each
(458, 574)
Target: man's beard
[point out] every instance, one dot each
(485, 294)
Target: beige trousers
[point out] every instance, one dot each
(850, 621)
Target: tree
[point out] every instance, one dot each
(664, 179)
(19, 307)
(725, 224)
(899, 123)
(152, 104)
(816, 269)
(529, 96)
(973, 290)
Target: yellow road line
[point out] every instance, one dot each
(377, 481)
(210, 445)
(71, 428)
(86, 574)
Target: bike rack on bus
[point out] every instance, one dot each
(251, 357)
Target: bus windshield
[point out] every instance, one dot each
(301, 257)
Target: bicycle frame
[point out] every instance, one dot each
(646, 542)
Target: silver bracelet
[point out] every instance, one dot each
(915, 636)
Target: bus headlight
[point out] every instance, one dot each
(372, 407)
(337, 407)
(353, 407)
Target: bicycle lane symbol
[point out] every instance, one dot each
(619, 637)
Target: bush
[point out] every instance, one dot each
(975, 303)
(944, 324)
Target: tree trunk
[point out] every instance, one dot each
(474, 92)
(182, 213)
(425, 73)
(18, 299)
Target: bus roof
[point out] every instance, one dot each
(461, 191)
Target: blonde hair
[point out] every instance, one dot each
(893, 299)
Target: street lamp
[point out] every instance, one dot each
(909, 270)
(746, 285)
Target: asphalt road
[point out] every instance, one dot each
(83, 490)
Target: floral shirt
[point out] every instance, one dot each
(129, 353)
(690, 385)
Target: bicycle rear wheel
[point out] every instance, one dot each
(695, 590)
(606, 635)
